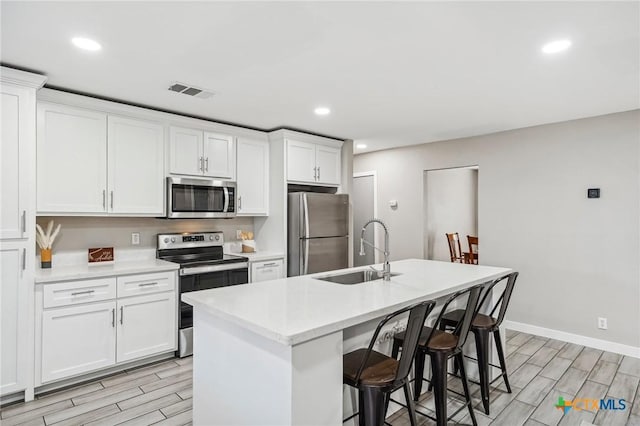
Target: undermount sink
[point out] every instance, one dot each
(357, 277)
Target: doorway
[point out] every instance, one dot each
(450, 205)
(364, 196)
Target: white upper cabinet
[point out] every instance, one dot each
(185, 151)
(328, 165)
(71, 160)
(136, 172)
(92, 163)
(13, 171)
(301, 161)
(199, 153)
(313, 163)
(253, 177)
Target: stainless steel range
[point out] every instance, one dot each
(203, 266)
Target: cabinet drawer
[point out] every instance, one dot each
(136, 285)
(267, 270)
(75, 292)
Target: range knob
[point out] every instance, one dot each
(173, 239)
(166, 240)
(217, 237)
(210, 237)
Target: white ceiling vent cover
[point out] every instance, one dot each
(188, 90)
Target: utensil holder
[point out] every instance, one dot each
(45, 258)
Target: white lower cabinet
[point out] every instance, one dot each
(267, 270)
(87, 325)
(77, 339)
(146, 325)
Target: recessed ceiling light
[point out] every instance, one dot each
(86, 44)
(361, 145)
(556, 46)
(322, 111)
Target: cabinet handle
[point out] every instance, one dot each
(201, 168)
(318, 173)
(121, 315)
(112, 199)
(147, 284)
(24, 259)
(78, 293)
(113, 317)
(104, 198)
(206, 167)
(315, 173)
(240, 203)
(269, 264)
(24, 221)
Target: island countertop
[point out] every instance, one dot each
(297, 309)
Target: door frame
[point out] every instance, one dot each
(376, 253)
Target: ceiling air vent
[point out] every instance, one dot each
(185, 89)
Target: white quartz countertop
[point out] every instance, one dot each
(297, 309)
(84, 271)
(261, 255)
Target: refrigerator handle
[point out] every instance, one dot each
(305, 263)
(305, 207)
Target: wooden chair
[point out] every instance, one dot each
(454, 247)
(376, 375)
(472, 255)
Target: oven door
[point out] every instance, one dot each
(199, 198)
(195, 279)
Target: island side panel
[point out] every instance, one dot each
(239, 377)
(317, 381)
(242, 378)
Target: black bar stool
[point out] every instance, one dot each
(440, 345)
(481, 327)
(376, 375)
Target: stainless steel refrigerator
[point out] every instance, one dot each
(318, 232)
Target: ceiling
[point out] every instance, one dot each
(393, 73)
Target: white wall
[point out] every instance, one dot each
(451, 205)
(578, 258)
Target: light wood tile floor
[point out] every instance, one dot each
(540, 369)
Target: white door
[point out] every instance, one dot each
(136, 167)
(219, 156)
(72, 160)
(14, 157)
(146, 325)
(328, 163)
(78, 339)
(268, 270)
(301, 161)
(253, 177)
(185, 151)
(13, 318)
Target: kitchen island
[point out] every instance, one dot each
(271, 353)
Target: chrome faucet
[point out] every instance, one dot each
(386, 271)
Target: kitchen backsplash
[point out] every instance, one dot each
(80, 233)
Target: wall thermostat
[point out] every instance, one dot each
(593, 193)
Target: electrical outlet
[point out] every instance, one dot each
(135, 238)
(602, 323)
(238, 234)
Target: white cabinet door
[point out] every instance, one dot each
(77, 340)
(219, 156)
(13, 318)
(136, 167)
(328, 164)
(253, 177)
(267, 270)
(72, 160)
(301, 161)
(185, 151)
(146, 325)
(14, 156)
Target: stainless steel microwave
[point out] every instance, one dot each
(200, 198)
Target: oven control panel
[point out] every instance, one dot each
(190, 239)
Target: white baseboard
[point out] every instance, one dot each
(604, 345)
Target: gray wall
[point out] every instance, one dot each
(451, 205)
(578, 258)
